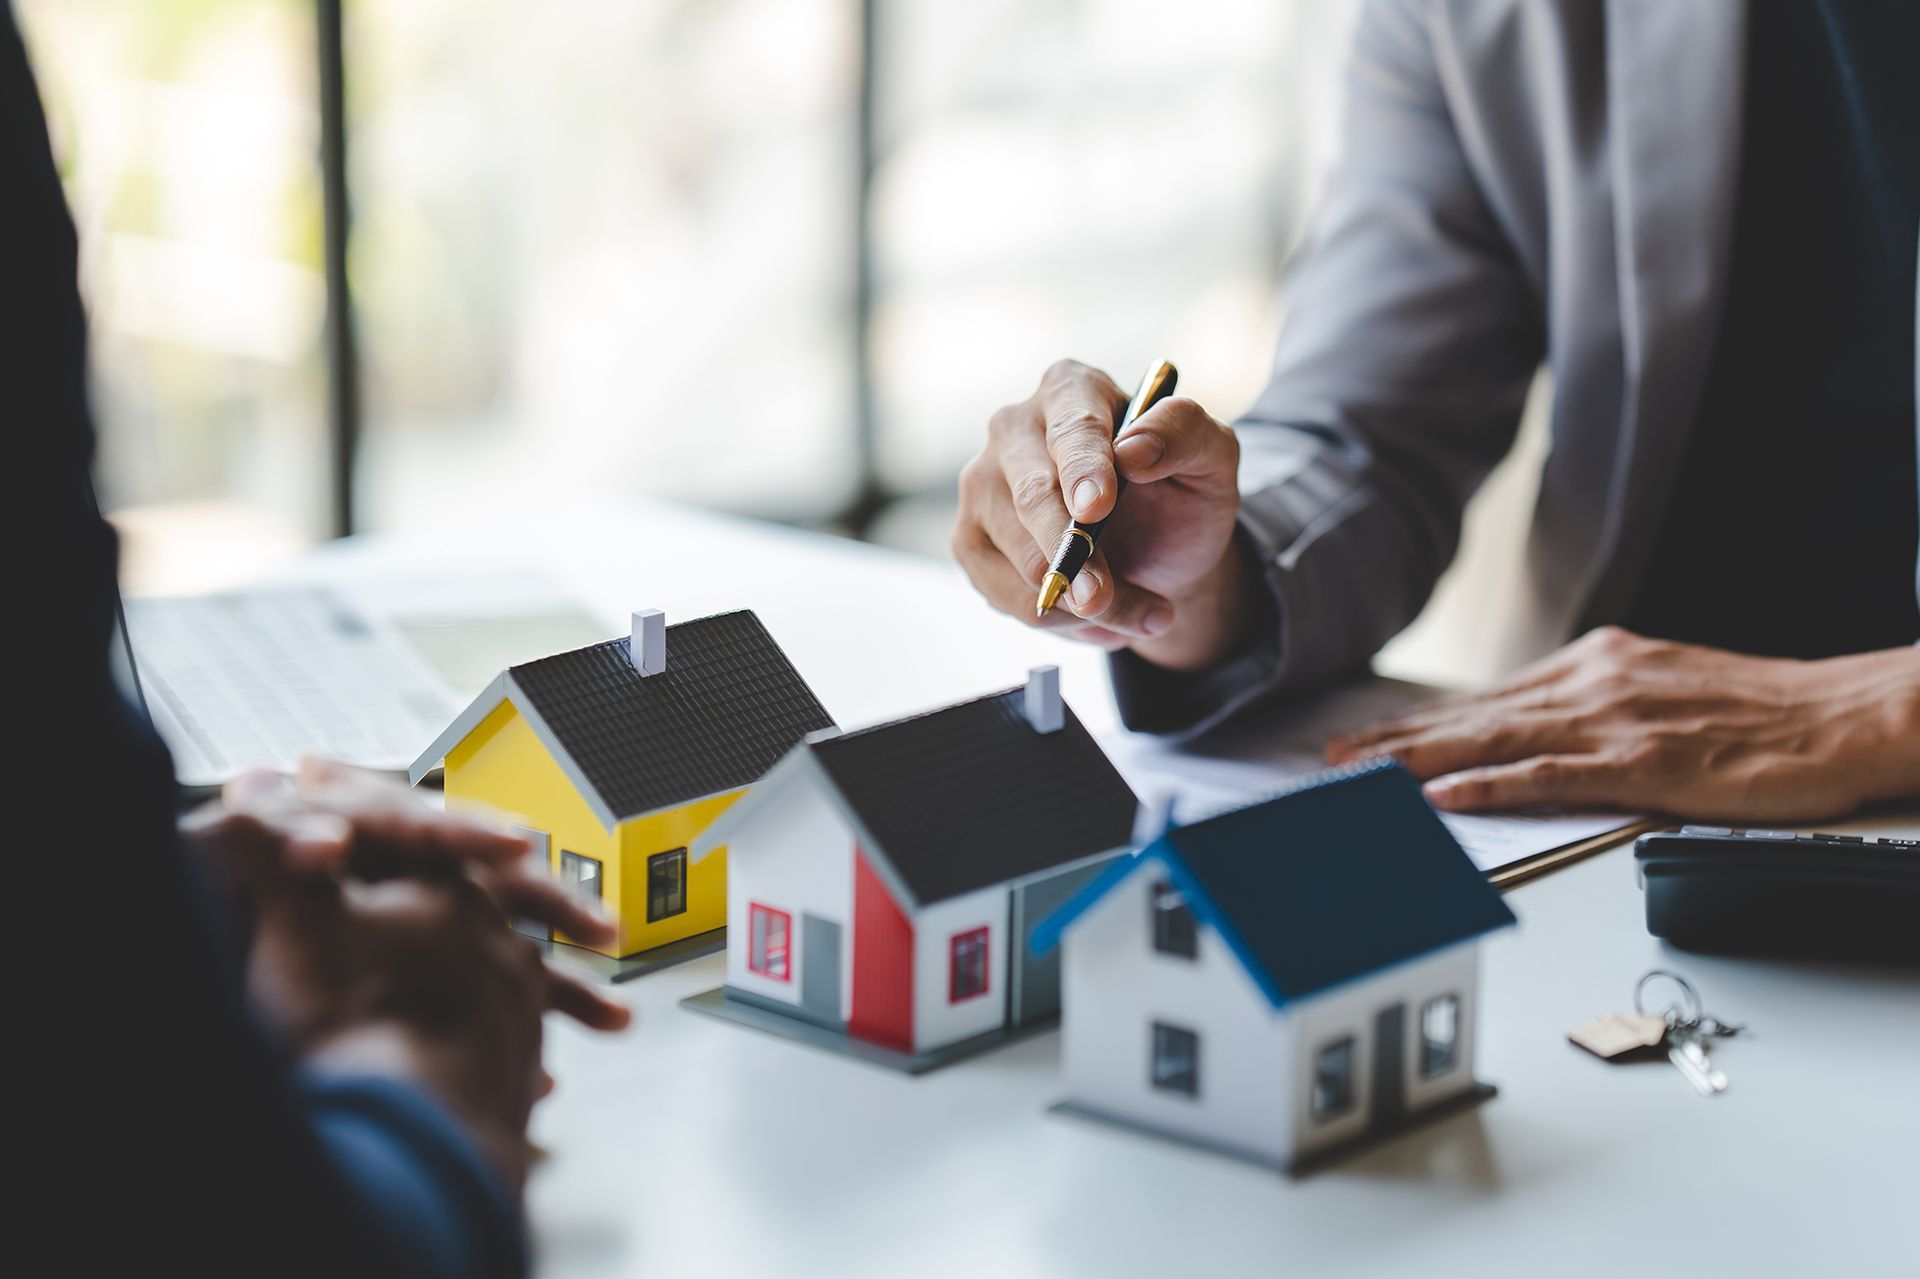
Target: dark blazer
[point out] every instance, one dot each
(152, 1120)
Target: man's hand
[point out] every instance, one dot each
(419, 980)
(332, 819)
(380, 939)
(1616, 720)
(1167, 579)
(279, 841)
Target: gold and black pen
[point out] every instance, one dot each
(1077, 543)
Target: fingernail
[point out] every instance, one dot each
(1141, 451)
(316, 836)
(1157, 621)
(1080, 594)
(256, 784)
(1085, 494)
(318, 826)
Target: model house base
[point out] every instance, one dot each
(1306, 1164)
(745, 1011)
(592, 963)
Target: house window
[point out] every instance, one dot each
(1173, 927)
(1176, 1059)
(1439, 1035)
(666, 885)
(967, 965)
(1333, 1080)
(768, 931)
(580, 873)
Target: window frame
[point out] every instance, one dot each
(969, 937)
(1428, 1068)
(1348, 1097)
(760, 956)
(1162, 1038)
(1174, 929)
(570, 861)
(679, 855)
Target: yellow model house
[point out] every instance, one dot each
(611, 758)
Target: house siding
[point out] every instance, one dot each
(1351, 1010)
(1255, 1062)
(503, 769)
(1115, 986)
(883, 963)
(795, 854)
(502, 766)
(662, 832)
(1033, 989)
(937, 1020)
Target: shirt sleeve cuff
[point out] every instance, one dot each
(1152, 699)
(435, 1205)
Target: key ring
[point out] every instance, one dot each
(1672, 1011)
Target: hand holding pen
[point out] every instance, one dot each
(1166, 577)
(1082, 537)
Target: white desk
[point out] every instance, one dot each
(692, 1148)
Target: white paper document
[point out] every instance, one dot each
(1257, 757)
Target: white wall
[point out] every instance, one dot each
(1255, 1063)
(1350, 1010)
(1114, 986)
(795, 854)
(936, 1020)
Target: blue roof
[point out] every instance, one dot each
(1352, 873)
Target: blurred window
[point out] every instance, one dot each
(604, 249)
(967, 965)
(614, 249)
(666, 885)
(1176, 1059)
(1333, 1091)
(580, 873)
(1174, 928)
(1439, 1035)
(1111, 182)
(186, 135)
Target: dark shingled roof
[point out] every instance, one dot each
(726, 708)
(1325, 884)
(970, 796)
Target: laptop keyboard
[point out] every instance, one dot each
(261, 677)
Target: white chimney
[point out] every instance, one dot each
(647, 647)
(1045, 711)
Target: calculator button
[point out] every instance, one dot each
(1706, 830)
(1841, 839)
(1770, 834)
(1901, 843)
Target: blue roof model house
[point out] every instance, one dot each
(1283, 981)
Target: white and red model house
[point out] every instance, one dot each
(883, 884)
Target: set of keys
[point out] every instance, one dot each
(1681, 1027)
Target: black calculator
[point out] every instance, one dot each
(1779, 892)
